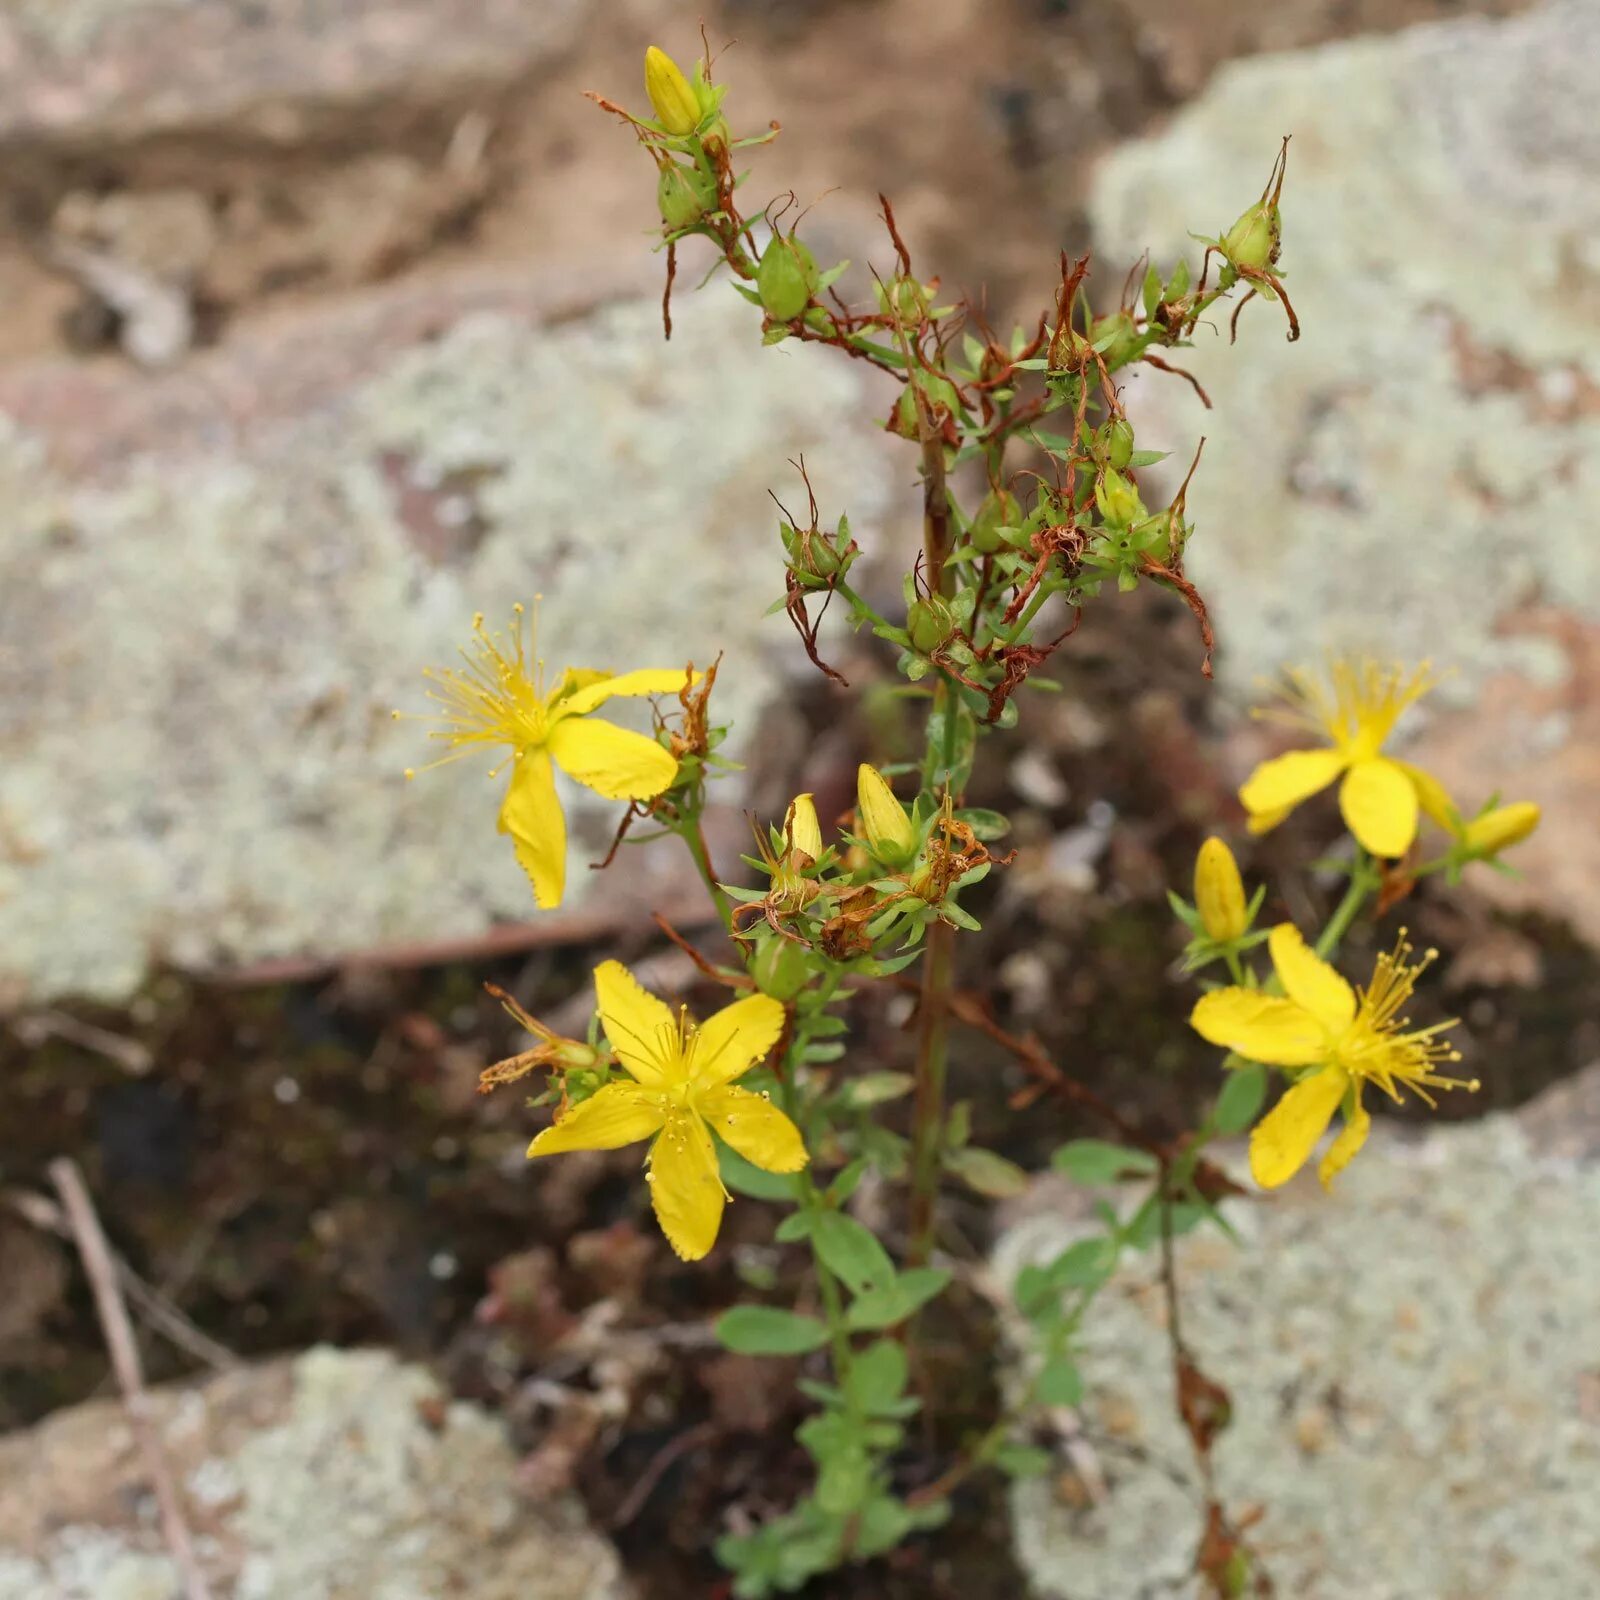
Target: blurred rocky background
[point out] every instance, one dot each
(330, 322)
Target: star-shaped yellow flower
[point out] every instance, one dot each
(1379, 797)
(1348, 1038)
(682, 1087)
(499, 700)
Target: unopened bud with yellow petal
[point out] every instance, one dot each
(888, 829)
(677, 106)
(1219, 893)
(1501, 828)
(801, 830)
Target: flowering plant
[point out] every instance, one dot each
(766, 1098)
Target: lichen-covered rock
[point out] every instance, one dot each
(336, 1476)
(1415, 1384)
(214, 585)
(1417, 475)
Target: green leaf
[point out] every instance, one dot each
(1240, 1099)
(1151, 294)
(1086, 1264)
(1097, 1161)
(875, 1088)
(797, 1226)
(851, 1252)
(1060, 1383)
(987, 1173)
(878, 1376)
(768, 1331)
(984, 823)
(904, 1297)
(743, 1177)
(1023, 1460)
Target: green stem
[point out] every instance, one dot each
(693, 836)
(1362, 883)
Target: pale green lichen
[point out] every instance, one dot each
(1408, 1361)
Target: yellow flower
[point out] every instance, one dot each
(801, 830)
(1498, 830)
(1349, 1038)
(681, 1088)
(1380, 797)
(499, 700)
(883, 819)
(677, 107)
(1219, 893)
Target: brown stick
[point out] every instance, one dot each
(102, 1274)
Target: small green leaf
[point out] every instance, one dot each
(1023, 1460)
(768, 1331)
(878, 1376)
(745, 1178)
(987, 1173)
(1060, 1383)
(986, 824)
(904, 1297)
(851, 1252)
(1097, 1161)
(875, 1088)
(1240, 1099)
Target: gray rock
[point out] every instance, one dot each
(1414, 1379)
(80, 72)
(1415, 476)
(339, 1475)
(215, 583)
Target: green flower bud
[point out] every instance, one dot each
(930, 622)
(786, 278)
(998, 513)
(684, 194)
(779, 967)
(1117, 499)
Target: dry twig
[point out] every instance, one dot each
(102, 1273)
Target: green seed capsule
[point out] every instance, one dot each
(998, 512)
(1254, 239)
(786, 278)
(1116, 439)
(779, 967)
(1117, 499)
(929, 623)
(684, 194)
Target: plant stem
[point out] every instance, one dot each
(694, 837)
(927, 1129)
(1361, 884)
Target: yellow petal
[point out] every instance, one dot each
(619, 1114)
(755, 1127)
(1379, 806)
(1266, 821)
(642, 1029)
(801, 830)
(1260, 1026)
(1282, 783)
(685, 1186)
(1432, 796)
(1309, 981)
(1284, 1139)
(730, 1042)
(605, 686)
(532, 816)
(1219, 891)
(575, 678)
(1357, 1125)
(610, 760)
